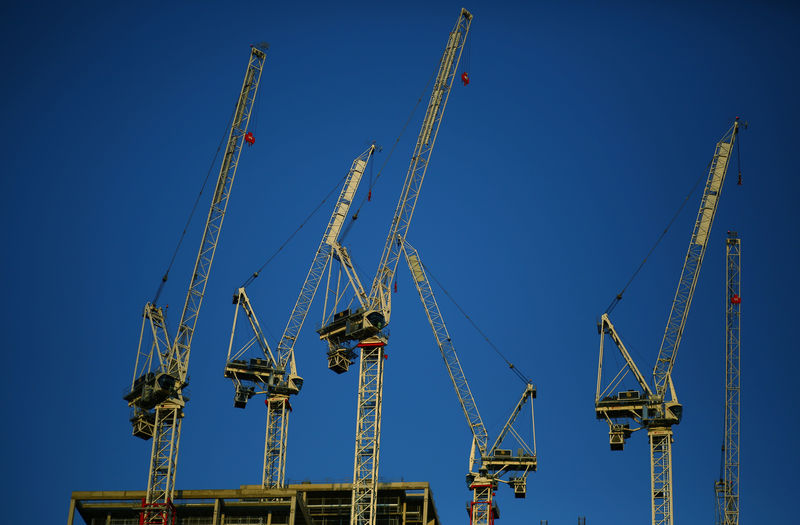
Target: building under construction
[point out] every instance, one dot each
(303, 504)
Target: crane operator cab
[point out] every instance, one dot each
(151, 388)
(348, 326)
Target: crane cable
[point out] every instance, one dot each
(194, 208)
(354, 217)
(618, 298)
(291, 236)
(523, 377)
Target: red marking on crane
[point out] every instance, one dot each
(386, 356)
(369, 195)
(250, 138)
(370, 344)
(395, 287)
(465, 78)
(736, 299)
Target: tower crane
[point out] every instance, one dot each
(157, 393)
(655, 409)
(494, 462)
(276, 375)
(726, 488)
(363, 327)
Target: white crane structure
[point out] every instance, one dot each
(347, 328)
(726, 489)
(156, 394)
(276, 375)
(494, 462)
(656, 408)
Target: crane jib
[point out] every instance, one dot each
(380, 291)
(694, 260)
(710, 203)
(343, 206)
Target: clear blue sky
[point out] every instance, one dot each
(583, 128)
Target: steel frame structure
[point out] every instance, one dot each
(727, 488)
(652, 408)
(276, 375)
(156, 393)
(368, 431)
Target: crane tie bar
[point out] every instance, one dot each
(194, 208)
(511, 365)
(618, 297)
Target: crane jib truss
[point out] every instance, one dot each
(156, 394)
(651, 407)
(380, 291)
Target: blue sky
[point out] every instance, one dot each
(583, 128)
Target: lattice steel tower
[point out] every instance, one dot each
(160, 374)
(727, 488)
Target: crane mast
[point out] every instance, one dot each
(277, 375)
(650, 407)
(493, 463)
(156, 393)
(365, 325)
(727, 488)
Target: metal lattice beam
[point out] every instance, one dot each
(661, 475)
(329, 240)
(447, 349)
(278, 410)
(481, 510)
(368, 432)
(380, 291)
(729, 512)
(694, 260)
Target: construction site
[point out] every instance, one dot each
(335, 298)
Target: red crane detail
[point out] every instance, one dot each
(250, 138)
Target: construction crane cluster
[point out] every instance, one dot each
(354, 328)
